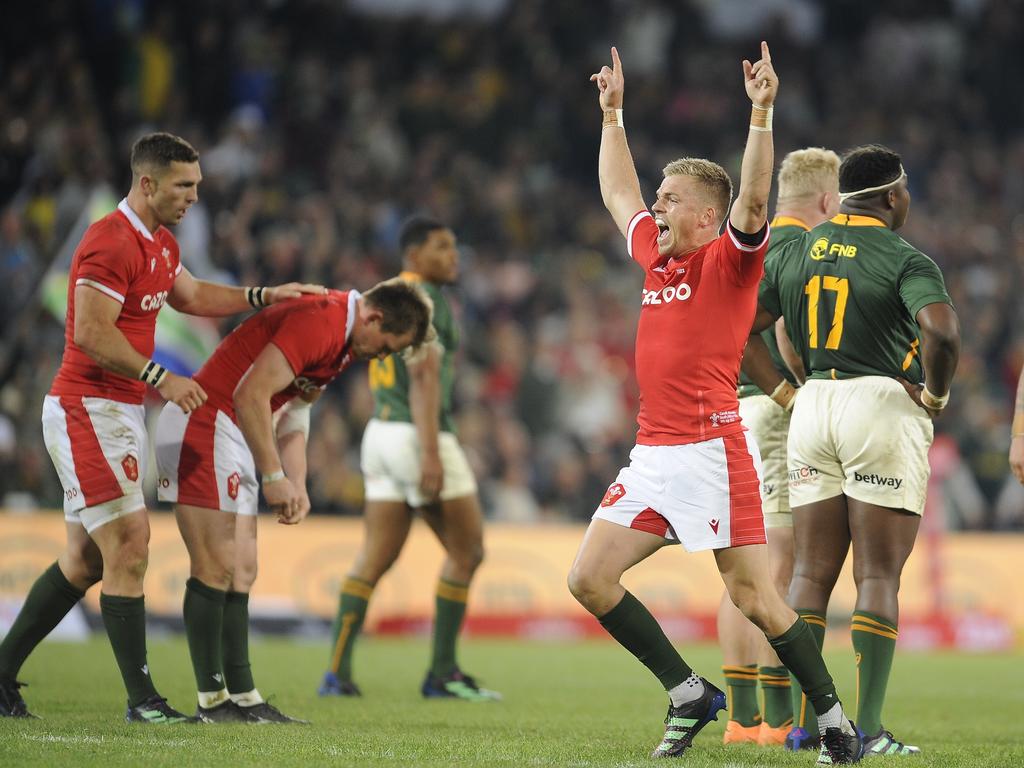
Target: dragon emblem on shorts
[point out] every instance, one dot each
(233, 482)
(130, 465)
(613, 494)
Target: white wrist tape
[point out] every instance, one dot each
(294, 418)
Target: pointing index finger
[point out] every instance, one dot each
(765, 55)
(616, 63)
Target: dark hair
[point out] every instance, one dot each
(160, 150)
(406, 307)
(416, 229)
(869, 166)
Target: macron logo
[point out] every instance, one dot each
(873, 479)
(714, 525)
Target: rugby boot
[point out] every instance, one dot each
(841, 747)
(265, 712)
(156, 711)
(798, 738)
(683, 723)
(740, 734)
(883, 743)
(11, 703)
(225, 712)
(768, 736)
(456, 685)
(332, 686)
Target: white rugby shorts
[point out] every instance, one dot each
(769, 426)
(863, 437)
(390, 460)
(98, 447)
(706, 495)
(202, 460)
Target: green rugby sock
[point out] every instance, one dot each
(235, 643)
(47, 602)
(125, 620)
(799, 651)
(636, 630)
(741, 692)
(450, 610)
(355, 597)
(204, 622)
(803, 713)
(874, 643)
(778, 706)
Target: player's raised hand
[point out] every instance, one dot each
(286, 291)
(610, 83)
(760, 80)
(182, 391)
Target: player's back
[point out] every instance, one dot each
(118, 257)
(389, 378)
(311, 331)
(849, 290)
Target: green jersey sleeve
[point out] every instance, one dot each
(921, 283)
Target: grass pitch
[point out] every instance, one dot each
(566, 704)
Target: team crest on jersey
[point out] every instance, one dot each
(233, 482)
(613, 494)
(130, 465)
(721, 418)
(166, 253)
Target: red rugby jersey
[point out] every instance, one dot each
(122, 259)
(695, 317)
(311, 331)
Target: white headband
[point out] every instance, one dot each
(871, 190)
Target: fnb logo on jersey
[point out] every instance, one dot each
(664, 295)
(305, 385)
(153, 301)
(822, 249)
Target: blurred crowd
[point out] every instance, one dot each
(321, 124)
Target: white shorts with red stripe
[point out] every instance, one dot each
(706, 495)
(202, 460)
(98, 447)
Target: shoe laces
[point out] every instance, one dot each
(838, 745)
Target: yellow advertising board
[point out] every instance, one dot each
(972, 578)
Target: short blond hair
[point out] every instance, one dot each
(712, 178)
(807, 172)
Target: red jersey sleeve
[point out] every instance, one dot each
(304, 339)
(743, 264)
(642, 238)
(107, 264)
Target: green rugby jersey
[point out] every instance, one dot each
(849, 290)
(389, 378)
(784, 229)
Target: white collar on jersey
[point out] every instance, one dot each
(350, 321)
(133, 217)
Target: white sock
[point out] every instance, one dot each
(691, 689)
(834, 718)
(250, 699)
(211, 699)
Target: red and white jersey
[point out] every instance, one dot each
(122, 259)
(695, 317)
(313, 334)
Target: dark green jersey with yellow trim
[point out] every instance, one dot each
(850, 290)
(389, 378)
(784, 229)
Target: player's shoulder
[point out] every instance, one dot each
(111, 231)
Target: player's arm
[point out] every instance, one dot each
(1017, 432)
(788, 352)
(269, 374)
(425, 408)
(97, 335)
(940, 351)
(758, 364)
(200, 297)
(620, 187)
(292, 433)
(750, 211)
